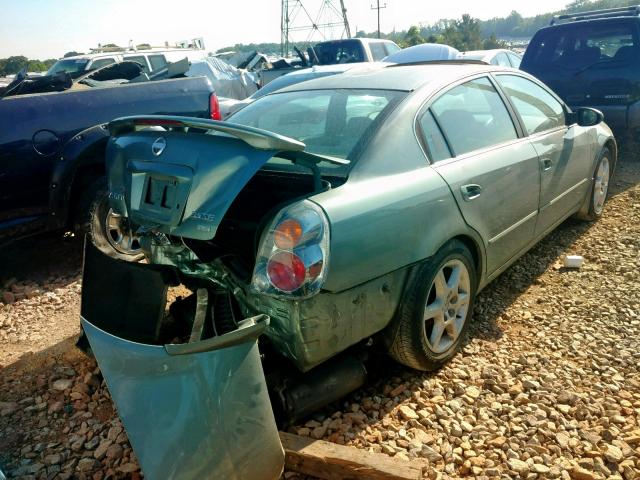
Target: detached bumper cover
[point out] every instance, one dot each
(198, 410)
(193, 415)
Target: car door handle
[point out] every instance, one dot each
(547, 163)
(471, 191)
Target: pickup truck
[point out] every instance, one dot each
(52, 149)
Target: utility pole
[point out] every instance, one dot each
(378, 7)
(296, 17)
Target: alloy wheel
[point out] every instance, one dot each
(447, 306)
(601, 186)
(120, 235)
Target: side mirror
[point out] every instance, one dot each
(587, 117)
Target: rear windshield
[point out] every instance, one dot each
(345, 51)
(68, 66)
(582, 46)
(335, 123)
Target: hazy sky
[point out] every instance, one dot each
(49, 28)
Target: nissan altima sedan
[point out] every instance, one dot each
(335, 217)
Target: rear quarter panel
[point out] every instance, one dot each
(385, 223)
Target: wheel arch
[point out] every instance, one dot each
(81, 163)
(476, 253)
(610, 144)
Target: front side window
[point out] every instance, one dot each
(102, 62)
(539, 110)
(473, 116)
(329, 122)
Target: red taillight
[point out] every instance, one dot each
(286, 271)
(214, 107)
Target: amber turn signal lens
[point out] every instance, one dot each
(287, 234)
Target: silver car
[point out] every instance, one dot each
(358, 210)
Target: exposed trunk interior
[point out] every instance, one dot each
(238, 235)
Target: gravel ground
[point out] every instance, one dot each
(547, 385)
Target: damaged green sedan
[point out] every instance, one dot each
(355, 213)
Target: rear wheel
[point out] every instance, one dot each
(436, 309)
(110, 232)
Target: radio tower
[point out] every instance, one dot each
(329, 23)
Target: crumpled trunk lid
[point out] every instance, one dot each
(182, 183)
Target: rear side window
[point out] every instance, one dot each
(539, 110)
(157, 62)
(473, 116)
(515, 60)
(501, 59)
(377, 51)
(140, 59)
(436, 144)
(581, 46)
(391, 47)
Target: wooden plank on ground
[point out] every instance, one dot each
(336, 462)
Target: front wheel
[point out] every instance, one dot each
(599, 188)
(436, 309)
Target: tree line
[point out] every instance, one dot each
(466, 33)
(12, 65)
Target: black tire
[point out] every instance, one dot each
(593, 212)
(91, 216)
(409, 330)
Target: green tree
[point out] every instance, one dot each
(13, 65)
(463, 34)
(413, 37)
(492, 42)
(72, 54)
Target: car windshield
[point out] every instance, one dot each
(68, 66)
(332, 123)
(344, 51)
(579, 47)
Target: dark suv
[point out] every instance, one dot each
(593, 59)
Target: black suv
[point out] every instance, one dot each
(593, 59)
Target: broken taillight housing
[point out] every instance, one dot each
(294, 252)
(214, 107)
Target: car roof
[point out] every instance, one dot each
(423, 52)
(395, 77)
(142, 51)
(357, 39)
(586, 21)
